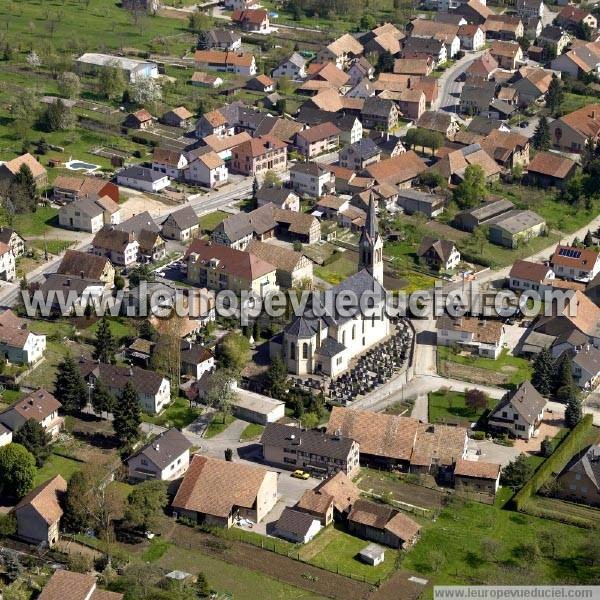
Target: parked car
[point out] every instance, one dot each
(300, 474)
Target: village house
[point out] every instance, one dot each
(89, 215)
(63, 583)
(178, 117)
(216, 492)
(519, 413)
(206, 80)
(554, 38)
(482, 337)
(550, 169)
(586, 367)
(421, 67)
(153, 390)
(140, 119)
(532, 84)
(87, 266)
(318, 503)
(579, 264)
(10, 168)
(13, 240)
(476, 97)
(206, 168)
(382, 524)
(379, 114)
(340, 51)
(507, 54)
(68, 189)
(476, 476)
(316, 140)
(292, 268)
(417, 47)
(293, 67)
(441, 255)
(580, 479)
(253, 19)
(503, 27)
(307, 449)
(470, 219)
(261, 83)
(482, 69)
(219, 267)
(120, 247)
(452, 166)
(580, 60)
(181, 225)
(572, 131)
(38, 513)
(412, 201)
(312, 179)
(359, 155)
(515, 227)
(224, 39)
(351, 129)
(7, 263)
(571, 16)
(526, 275)
(165, 458)
(473, 11)
(278, 196)
(297, 526)
(142, 178)
(18, 345)
(401, 170)
(471, 36)
(228, 62)
(443, 32)
(39, 405)
(257, 155)
(169, 162)
(443, 122)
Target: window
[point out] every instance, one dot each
(305, 350)
(292, 351)
(353, 331)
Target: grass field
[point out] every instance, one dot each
(158, 548)
(253, 431)
(445, 406)
(337, 270)
(55, 247)
(57, 465)
(211, 220)
(567, 509)
(218, 424)
(573, 102)
(478, 544)
(35, 224)
(119, 327)
(178, 414)
(338, 553)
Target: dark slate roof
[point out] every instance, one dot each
(196, 354)
(294, 521)
(301, 327)
(306, 440)
(6, 234)
(223, 36)
(114, 376)
(525, 400)
(136, 223)
(275, 195)
(67, 283)
(365, 148)
(184, 218)
(164, 448)
(313, 116)
(310, 168)
(483, 126)
(141, 174)
(330, 347)
(377, 106)
(587, 463)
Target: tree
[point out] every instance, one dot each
(472, 189)
(563, 383)
(583, 31)
(574, 411)
(69, 387)
(104, 343)
(255, 188)
(432, 179)
(145, 504)
(546, 447)
(203, 42)
(220, 393)
(75, 510)
(199, 21)
(201, 587)
(35, 438)
(147, 331)
(476, 399)
(271, 179)
(111, 82)
(277, 378)
(17, 470)
(102, 400)
(588, 240)
(228, 454)
(541, 135)
(69, 85)
(33, 60)
(516, 473)
(543, 372)
(385, 63)
(17, 590)
(367, 22)
(140, 273)
(8, 525)
(166, 357)
(145, 91)
(233, 351)
(126, 415)
(11, 563)
(555, 94)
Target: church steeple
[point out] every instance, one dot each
(370, 246)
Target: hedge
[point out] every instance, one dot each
(570, 445)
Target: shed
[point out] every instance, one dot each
(373, 554)
(257, 408)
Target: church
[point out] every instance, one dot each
(317, 343)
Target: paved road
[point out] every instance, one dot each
(449, 88)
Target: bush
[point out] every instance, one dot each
(479, 435)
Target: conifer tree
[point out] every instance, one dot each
(104, 345)
(126, 415)
(102, 400)
(69, 387)
(543, 373)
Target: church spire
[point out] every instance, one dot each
(370, 245)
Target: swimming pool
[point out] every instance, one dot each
(79, 165)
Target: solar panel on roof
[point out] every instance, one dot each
(569, 252)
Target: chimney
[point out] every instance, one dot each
(593, 115)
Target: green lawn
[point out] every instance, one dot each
(252, 432)
(55, 247)
(337, 270)
(573, 102)
(57, 465)
(477, 544)
(120, 327)
(11, 396)
(177, 414)
(157, 549)
(209, 221)
(447, 406)
(515, 369)
(37, 223)
(218, 424)
(339, 553)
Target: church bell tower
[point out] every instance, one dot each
(370, 246)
